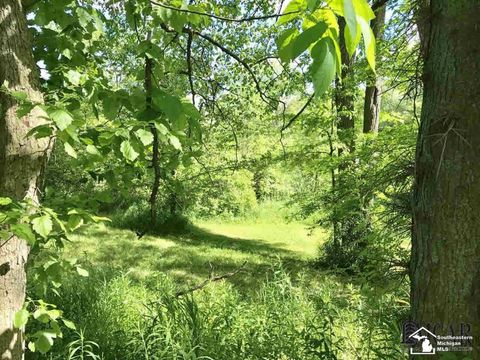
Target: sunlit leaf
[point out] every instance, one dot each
(21, 318)
(61, 118)
(323, 66)
(293, 10)
(285, 43)
(82, 272)
(146, 137)
(307, 37)
(70, 150)
(369, 40)
(128, 151)
(24, 231)
(42, 225)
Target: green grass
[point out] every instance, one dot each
(280, 308)
(208, 246)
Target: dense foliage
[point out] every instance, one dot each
(161, 115)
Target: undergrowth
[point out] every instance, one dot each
(287, 317)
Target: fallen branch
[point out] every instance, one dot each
(210, 280)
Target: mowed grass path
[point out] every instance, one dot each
(207, 247)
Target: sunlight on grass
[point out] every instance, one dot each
(191, 257)
(293, 237)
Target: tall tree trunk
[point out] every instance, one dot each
(371, 109)
(445, 264)
(345, 96)
(21, 163)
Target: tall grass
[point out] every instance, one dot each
(282, 319)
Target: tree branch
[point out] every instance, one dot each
(267, 99)
(300, 112)
(155, 145)
(378, 4)
(189, 66)
(210, 280)
(239, 20)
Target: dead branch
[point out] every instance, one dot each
(211, 279)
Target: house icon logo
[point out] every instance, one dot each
(423, 342)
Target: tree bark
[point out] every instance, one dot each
(445, 264)
(345, 96)
(371, 110)
(21, 162)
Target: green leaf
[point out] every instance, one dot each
(5, 201)
(21, 318)
(69, 324)
(25, 232)
(99, 218)
(351, 27)
(363, 9)
(74, 222)
(369, 40)
(83, 17)
(24, 109)
(146, 137)
(351, 42)
(191, 110)
(70, 150)
(128, 151)
(82, 272)
(175, 142)
(349, 9)
(42, 225)
(285, 44)
(323, 66)
(111, 105)
(92, 150)
(40, 131)
(41, 16)
(308, 37)
(295, 7)
(19, 95)
(61, 118)
(312, 4)
(169, 104)
(161, 128)
(177, 21)
(44, 341)
(74, 77)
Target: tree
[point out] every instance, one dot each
(446, 227)
(371, 111)
(21, 162)
(345, 94)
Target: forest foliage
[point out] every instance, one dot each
(161, 115)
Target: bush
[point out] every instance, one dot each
(136, 217)
(230, 197)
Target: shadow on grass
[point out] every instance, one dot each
(189, 257)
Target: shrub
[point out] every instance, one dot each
(137, 217)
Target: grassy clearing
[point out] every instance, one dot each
(281, 308)
(190, 257)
